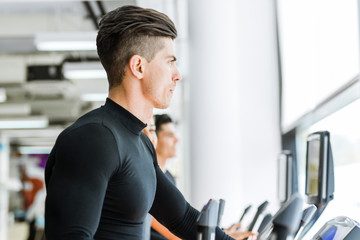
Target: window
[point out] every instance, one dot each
(319, 47)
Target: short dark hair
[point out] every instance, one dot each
(127, 31)
(161, 119)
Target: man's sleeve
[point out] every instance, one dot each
(77, 174)
(172, 210)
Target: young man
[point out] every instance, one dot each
(167, 142)
(165, 149)
(102, 176)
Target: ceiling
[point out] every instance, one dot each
(35, 82)
(32, 82)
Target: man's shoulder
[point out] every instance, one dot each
(94, 116)
(87, 122)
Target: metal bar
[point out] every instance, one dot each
(101, 7)
(91, 13)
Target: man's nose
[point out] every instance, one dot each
(177, 75)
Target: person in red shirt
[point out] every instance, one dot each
(32, 186)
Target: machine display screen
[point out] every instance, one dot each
(313, 165)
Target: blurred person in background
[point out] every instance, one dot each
(166, 143)
(165, 149)
(33, 195)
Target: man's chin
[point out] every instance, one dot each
(162, 106)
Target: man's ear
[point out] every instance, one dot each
(136, 65)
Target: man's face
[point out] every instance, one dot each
(161, 75)
(167, 141)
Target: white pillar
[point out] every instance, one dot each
(214, 103)
(234, 129)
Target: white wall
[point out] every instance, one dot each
(233, 105)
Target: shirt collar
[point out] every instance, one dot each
(131, 122)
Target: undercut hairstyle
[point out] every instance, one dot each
(160, 120)
(128, 31)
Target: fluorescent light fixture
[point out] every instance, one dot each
(66, 41)
(94, 97)
(35, 149)
(83, 70)
(15, 109)
(26, 122)
(2, 95)
(35, 141)
(86, 74)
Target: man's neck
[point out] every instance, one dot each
(133, 101)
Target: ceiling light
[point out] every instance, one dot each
(35, 149)
(94, 97)
(66, 41)
(15, 109)
(2, 95)
(26, 122)
(83, 70)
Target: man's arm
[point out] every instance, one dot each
(161, 229)
(77, 174)
(172, 210)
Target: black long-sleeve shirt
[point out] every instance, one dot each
(102, 178)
